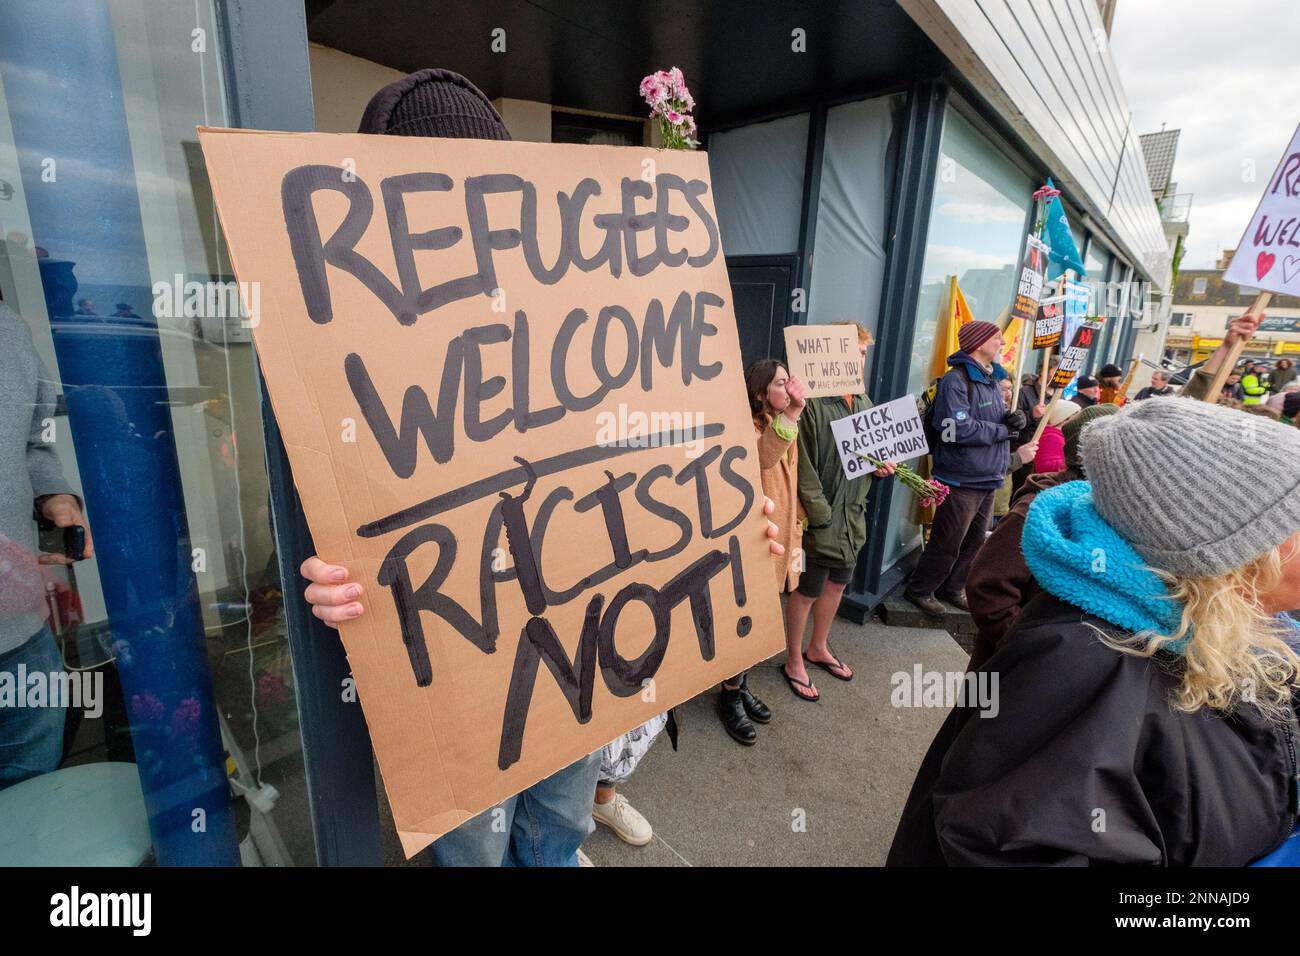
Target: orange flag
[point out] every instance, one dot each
(1012, 337)
(956, 313)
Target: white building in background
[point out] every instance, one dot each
(1202, 305)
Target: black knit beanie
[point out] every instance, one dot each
(433, 103)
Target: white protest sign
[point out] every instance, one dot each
(825, 358)
(889, 432)
(1268, 256)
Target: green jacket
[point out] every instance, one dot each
(836, 506)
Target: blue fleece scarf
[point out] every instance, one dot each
(1076, 556)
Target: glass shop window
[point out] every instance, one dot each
(147, 702)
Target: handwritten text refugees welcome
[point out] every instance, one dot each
(616, 293)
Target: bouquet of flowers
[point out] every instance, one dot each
(1042, 196)
(930, 492)
(671, 103)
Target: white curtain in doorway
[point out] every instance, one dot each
(757, 173)
(853, 213)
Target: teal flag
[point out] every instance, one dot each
(1056, 233)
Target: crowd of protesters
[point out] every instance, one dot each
(1132, 597)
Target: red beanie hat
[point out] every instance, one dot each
(974, 334)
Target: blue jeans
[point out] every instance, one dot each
(543, 826)
(31, 738)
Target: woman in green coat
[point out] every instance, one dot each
(836, 508)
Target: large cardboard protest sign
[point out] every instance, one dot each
(1268, 256)
(825, 358)
(508, 379)
(888, 432)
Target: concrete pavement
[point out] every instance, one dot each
(825, 783)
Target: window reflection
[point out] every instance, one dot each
(978, 220)
(134, 384)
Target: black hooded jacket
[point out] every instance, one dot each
(1087, 762)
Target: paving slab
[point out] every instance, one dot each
(824, 785)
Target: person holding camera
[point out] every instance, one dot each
(32, 489)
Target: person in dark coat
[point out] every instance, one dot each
(999, 583)
(971, 455)
(1159, 387)
(1088, 391)
(1113, 726)
(1283, 373)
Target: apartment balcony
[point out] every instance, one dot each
(1175, 211)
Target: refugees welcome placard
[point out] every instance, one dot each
(508, 379)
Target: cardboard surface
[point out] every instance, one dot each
(1268, 256)
(508, 379)
(888, 432)
(825, 358)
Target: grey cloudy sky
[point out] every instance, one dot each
(1228, 75)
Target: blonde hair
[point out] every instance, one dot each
(1234, 653)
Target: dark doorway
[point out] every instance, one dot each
(760, 288)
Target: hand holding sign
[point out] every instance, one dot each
(335, 599)
(889, 433)
(458, 379)
(826, 358)
(1268, 256)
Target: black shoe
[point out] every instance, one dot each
(956, 599)
(926, 603)
(734, 718)
(757, 710)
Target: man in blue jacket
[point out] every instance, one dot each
(971, 456)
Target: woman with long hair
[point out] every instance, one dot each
(1142, 707)
(776, 400)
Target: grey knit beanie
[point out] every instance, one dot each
(1197, 489)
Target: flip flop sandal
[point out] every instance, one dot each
(796, 684)
(828, 665)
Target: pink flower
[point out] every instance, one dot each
(146, 707)
(185, 719)
(674, 117)
(655, 89)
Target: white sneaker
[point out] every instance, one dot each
(584, 860)
(628, 825)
